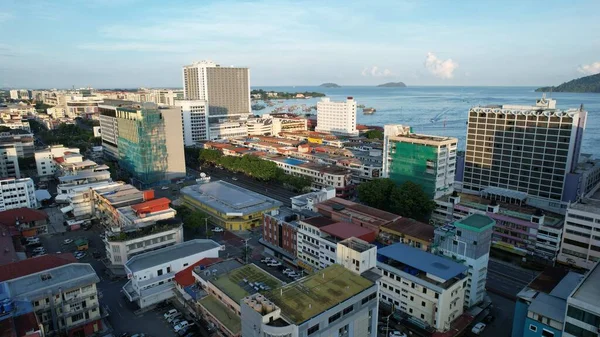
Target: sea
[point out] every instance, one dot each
(443, 111)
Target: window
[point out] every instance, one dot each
(77, 317)
(577, 331)
(159, 272)
(423, 303)
(348, 310)
(532, 327)
(313, 329)
(547, 333)
(583, 316)
(335, 317)
(422, 316)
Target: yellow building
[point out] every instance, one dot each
(229, 206)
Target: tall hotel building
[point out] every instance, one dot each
(226, 90)
(337, 117)
(516, 152)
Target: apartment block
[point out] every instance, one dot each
(151, 274)
(145, 150)
(529, 149)
(541, 306)
(109, 130)
(194, 119)
(519, 229)
(25, 221)
(280, 232)
(22, 142)
(334, 301)
(337, 117)
(64, 296)
(409, 232)
(308, 200)
(429, 161)
(468, 241)
(582, 317)
(9, 161)
(17, 193)
(45, 159)
(343, 210)
(427, 287)
(580, 244)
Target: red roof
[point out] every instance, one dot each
(26, 322)
(185, 278)
(59, 159)
(150, 204)
(34, 265)
(345, 230)
(23, 214)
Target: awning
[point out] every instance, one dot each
(66, 209)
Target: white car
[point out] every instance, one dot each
(33, 241)
(164, 188)
(39, 250)
(174, 317)
(288, 271)
(274, 263)
(397, 333)
(181, 325)
(234, 178)
(266, 260)
(79, 255)
(478, 328)
(217, 230)
(170, 313)
(67, 241)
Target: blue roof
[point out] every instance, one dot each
(438, 266)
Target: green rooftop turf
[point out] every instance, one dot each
(226, 316)
(302, 300)
(232, 283)
(479, 222)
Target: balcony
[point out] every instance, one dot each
(131, 293)
(73, 312)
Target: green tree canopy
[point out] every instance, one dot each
(407, 200)
(374, 134)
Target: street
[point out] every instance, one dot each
(506, 279)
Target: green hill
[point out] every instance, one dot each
(585, 84)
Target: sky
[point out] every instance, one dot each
(144, 43)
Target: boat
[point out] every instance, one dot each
(369, 111)
(361, 106)
(257, 107)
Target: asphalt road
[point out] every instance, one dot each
(507, 280)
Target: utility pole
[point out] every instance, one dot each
(206, 227)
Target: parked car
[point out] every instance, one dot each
(293, 275)
(39, 250)
(288, 271)
(170, 313)
(266, 260)
(174, 317)
(67, 241)
(139, 335)
(397, 333)
(217, 230)
(164, 188)
(31, 238)
(79, 255)
(181, 325)
(234, 178)
(32, 241)
(478, 328)
(274, 263)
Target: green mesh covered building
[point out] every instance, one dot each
(429, 161)
(150, 143)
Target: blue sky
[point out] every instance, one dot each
(133, 43)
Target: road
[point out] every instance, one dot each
(507, 280)
(271, 189)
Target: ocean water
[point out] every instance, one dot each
(447, 106)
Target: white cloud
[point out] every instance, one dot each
(374, 71)
(589, 69)
(443, 69)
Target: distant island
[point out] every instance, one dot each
(330, 85)
(584, 84)
(392, 85)
(268, 95)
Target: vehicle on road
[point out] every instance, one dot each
(181, 325)
(396, 333)
(170, 313)
(164, 188)
(176, 321)
(39, 249)
(139, 335)
(234, 178)
(33, 241)
(217, 230)
(174, 317)
(79, 255)
(38, 254)
(293, 275)
(266, 260)
(274, 263)
(478, 328)
(67, 241)
(288, 271)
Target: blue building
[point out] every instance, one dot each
(540, 307)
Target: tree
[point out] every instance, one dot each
(209, 156)
(374, 134)
(409, 200)
(195, 220)
(376, 193)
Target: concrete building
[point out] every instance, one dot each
(318, 238)
(17, 193)
(227, 129)
(356, 255)
(109, 129)
(14, 122)
(45, 159)
(9, 161)
(194, 117)
(343, 210)
(468, 241)
(337, 117)
(409, 232)
(529, 149)
(22, 142)
(333, 302)
(227, 205)
(580, 244)
(541, 306)
(582, 317)
(150, 143)
(288, 124)
(429, 161)
(151, 274)
(308, 201)
(427, 287)
(226, 284)
(260, 126)
(25, 221)
(64, 296)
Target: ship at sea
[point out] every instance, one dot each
(369, 111)
(256, 107)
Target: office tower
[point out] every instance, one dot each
(583, 312)
(337, 117)
(194, 116)
(580, 246)
(429, 161)
(528, 149)
(150, 142)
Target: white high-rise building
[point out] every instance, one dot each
(9, 161)
(580, 245)
(195, 80)
(17, 193)
(44, 159)
(194, 117)
(337, 117)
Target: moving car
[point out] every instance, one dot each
(67, 241)
(79, 255)
(217, 230)
(288, 271)
(266, 260)
(274, 263)
(478, 328)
